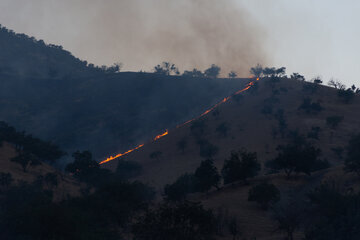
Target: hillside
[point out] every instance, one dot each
(250, 127)
(65, 185)
(91, 108)
(258, 120)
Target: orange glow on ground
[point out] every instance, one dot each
(249, 85)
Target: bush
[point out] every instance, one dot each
(265, 194)
(241, 166)
(213, 71)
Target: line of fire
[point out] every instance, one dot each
(249, 85)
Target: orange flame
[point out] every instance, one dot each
(120, 154)
(249, 85)
(161, 135)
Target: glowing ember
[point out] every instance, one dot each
(249, 85)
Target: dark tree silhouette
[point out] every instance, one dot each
(298, 156)
(213, 71)
(232, 74)
(207, 176)
(288, 217)
(194, 73)
(297, 76)
(166, 68)
(257, 71)
(241, 166)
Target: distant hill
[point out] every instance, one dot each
(50, 93)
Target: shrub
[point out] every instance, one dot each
(346, 95)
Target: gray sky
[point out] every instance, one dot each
(312, 37)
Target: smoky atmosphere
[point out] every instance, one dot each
(179, 120)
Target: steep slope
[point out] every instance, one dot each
(49, 92)
(251, 126)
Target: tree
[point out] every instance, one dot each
(297, 156)
(297, 76)
(268, 72)
(182, 144)
(280, 72)
(178, 191)
(181, 221)
(265, 194)
(213, 71)
(207, 176)
(317, 80)
(352, 160)
(5, 179)
(232, 74)
(166, 68)
(194, 73)
(336, 84)
(241, 166)
(25, 159)
(256, 71)
(128, 169)
(86, 169)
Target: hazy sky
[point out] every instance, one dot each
(312, 37)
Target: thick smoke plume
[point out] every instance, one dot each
(142, 33)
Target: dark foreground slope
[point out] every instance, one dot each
(50, 93)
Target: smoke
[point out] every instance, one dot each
(143, 33)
